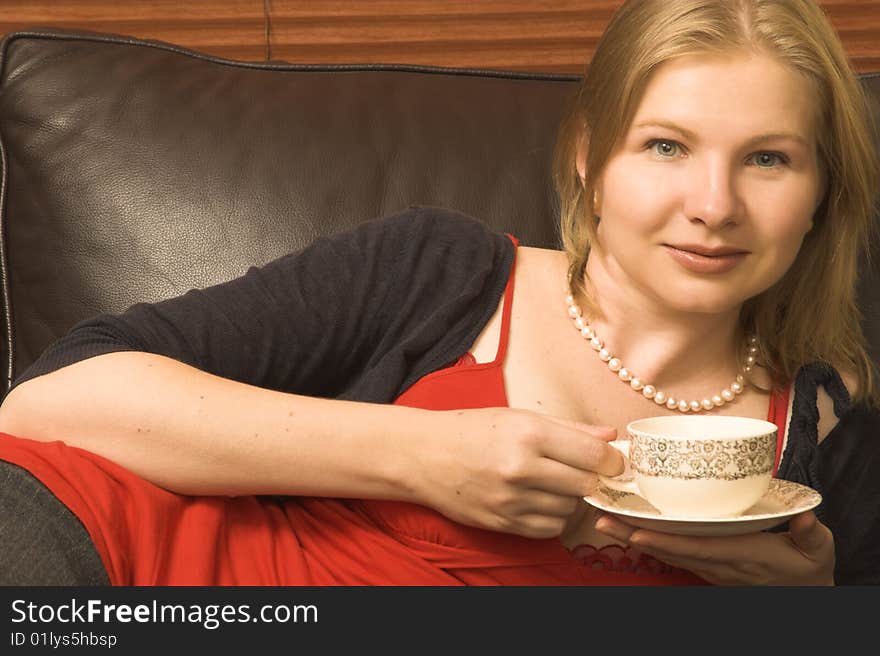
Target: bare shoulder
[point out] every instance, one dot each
(825, 404)
(536, 268)
(540, 266)
(541, 282)
(541, 254)
(541, 276)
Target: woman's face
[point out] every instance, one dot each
(708, 197)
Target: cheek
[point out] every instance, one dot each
(789, 217)
(630, 196)
(781, 238)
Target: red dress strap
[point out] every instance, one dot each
(483, 384)
(778, 414)
(505, 310)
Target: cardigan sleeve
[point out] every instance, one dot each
(844, 468)
(314, 322)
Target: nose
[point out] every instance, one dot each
(711, 195)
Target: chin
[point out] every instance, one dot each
(702, 299)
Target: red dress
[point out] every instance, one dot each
(148, 536)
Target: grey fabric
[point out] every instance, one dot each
(41, 541)
(844, 468)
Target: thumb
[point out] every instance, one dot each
(808, 534)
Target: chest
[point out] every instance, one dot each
(565, 378)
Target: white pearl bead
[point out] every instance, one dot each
(649, 391)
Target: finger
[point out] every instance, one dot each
(538, 502)
(621, 531)
(690, 548)
(582, 450)
(808, 534)
(614, 527)
(555, 477)
(683, 549)
(606, 433)
(536, 526)
(713, 571)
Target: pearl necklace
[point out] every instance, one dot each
(659, 397)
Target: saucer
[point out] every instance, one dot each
(782, 500)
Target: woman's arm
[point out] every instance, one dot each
(196, 433)
(191, 392)
(230, 390)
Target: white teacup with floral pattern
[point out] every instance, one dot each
(699, 466)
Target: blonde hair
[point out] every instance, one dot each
(642, 35)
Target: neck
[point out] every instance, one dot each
(687, 352)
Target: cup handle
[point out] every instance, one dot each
(626, 481)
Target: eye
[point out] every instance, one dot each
(665, 148)
(768, 160)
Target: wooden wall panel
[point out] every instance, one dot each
(524, 35)
(858, 23)
(234, 29)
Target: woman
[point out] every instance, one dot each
(699, 233)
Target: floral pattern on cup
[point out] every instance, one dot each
(727, 460)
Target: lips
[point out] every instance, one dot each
(708, 251)
(704, 260)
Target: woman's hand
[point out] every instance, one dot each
(510, 470)
(802, 556)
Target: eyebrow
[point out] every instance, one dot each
(770, 136)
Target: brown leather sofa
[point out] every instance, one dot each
(136, 170)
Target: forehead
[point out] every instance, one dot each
(737, 94)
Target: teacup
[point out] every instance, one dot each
(699, 466)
